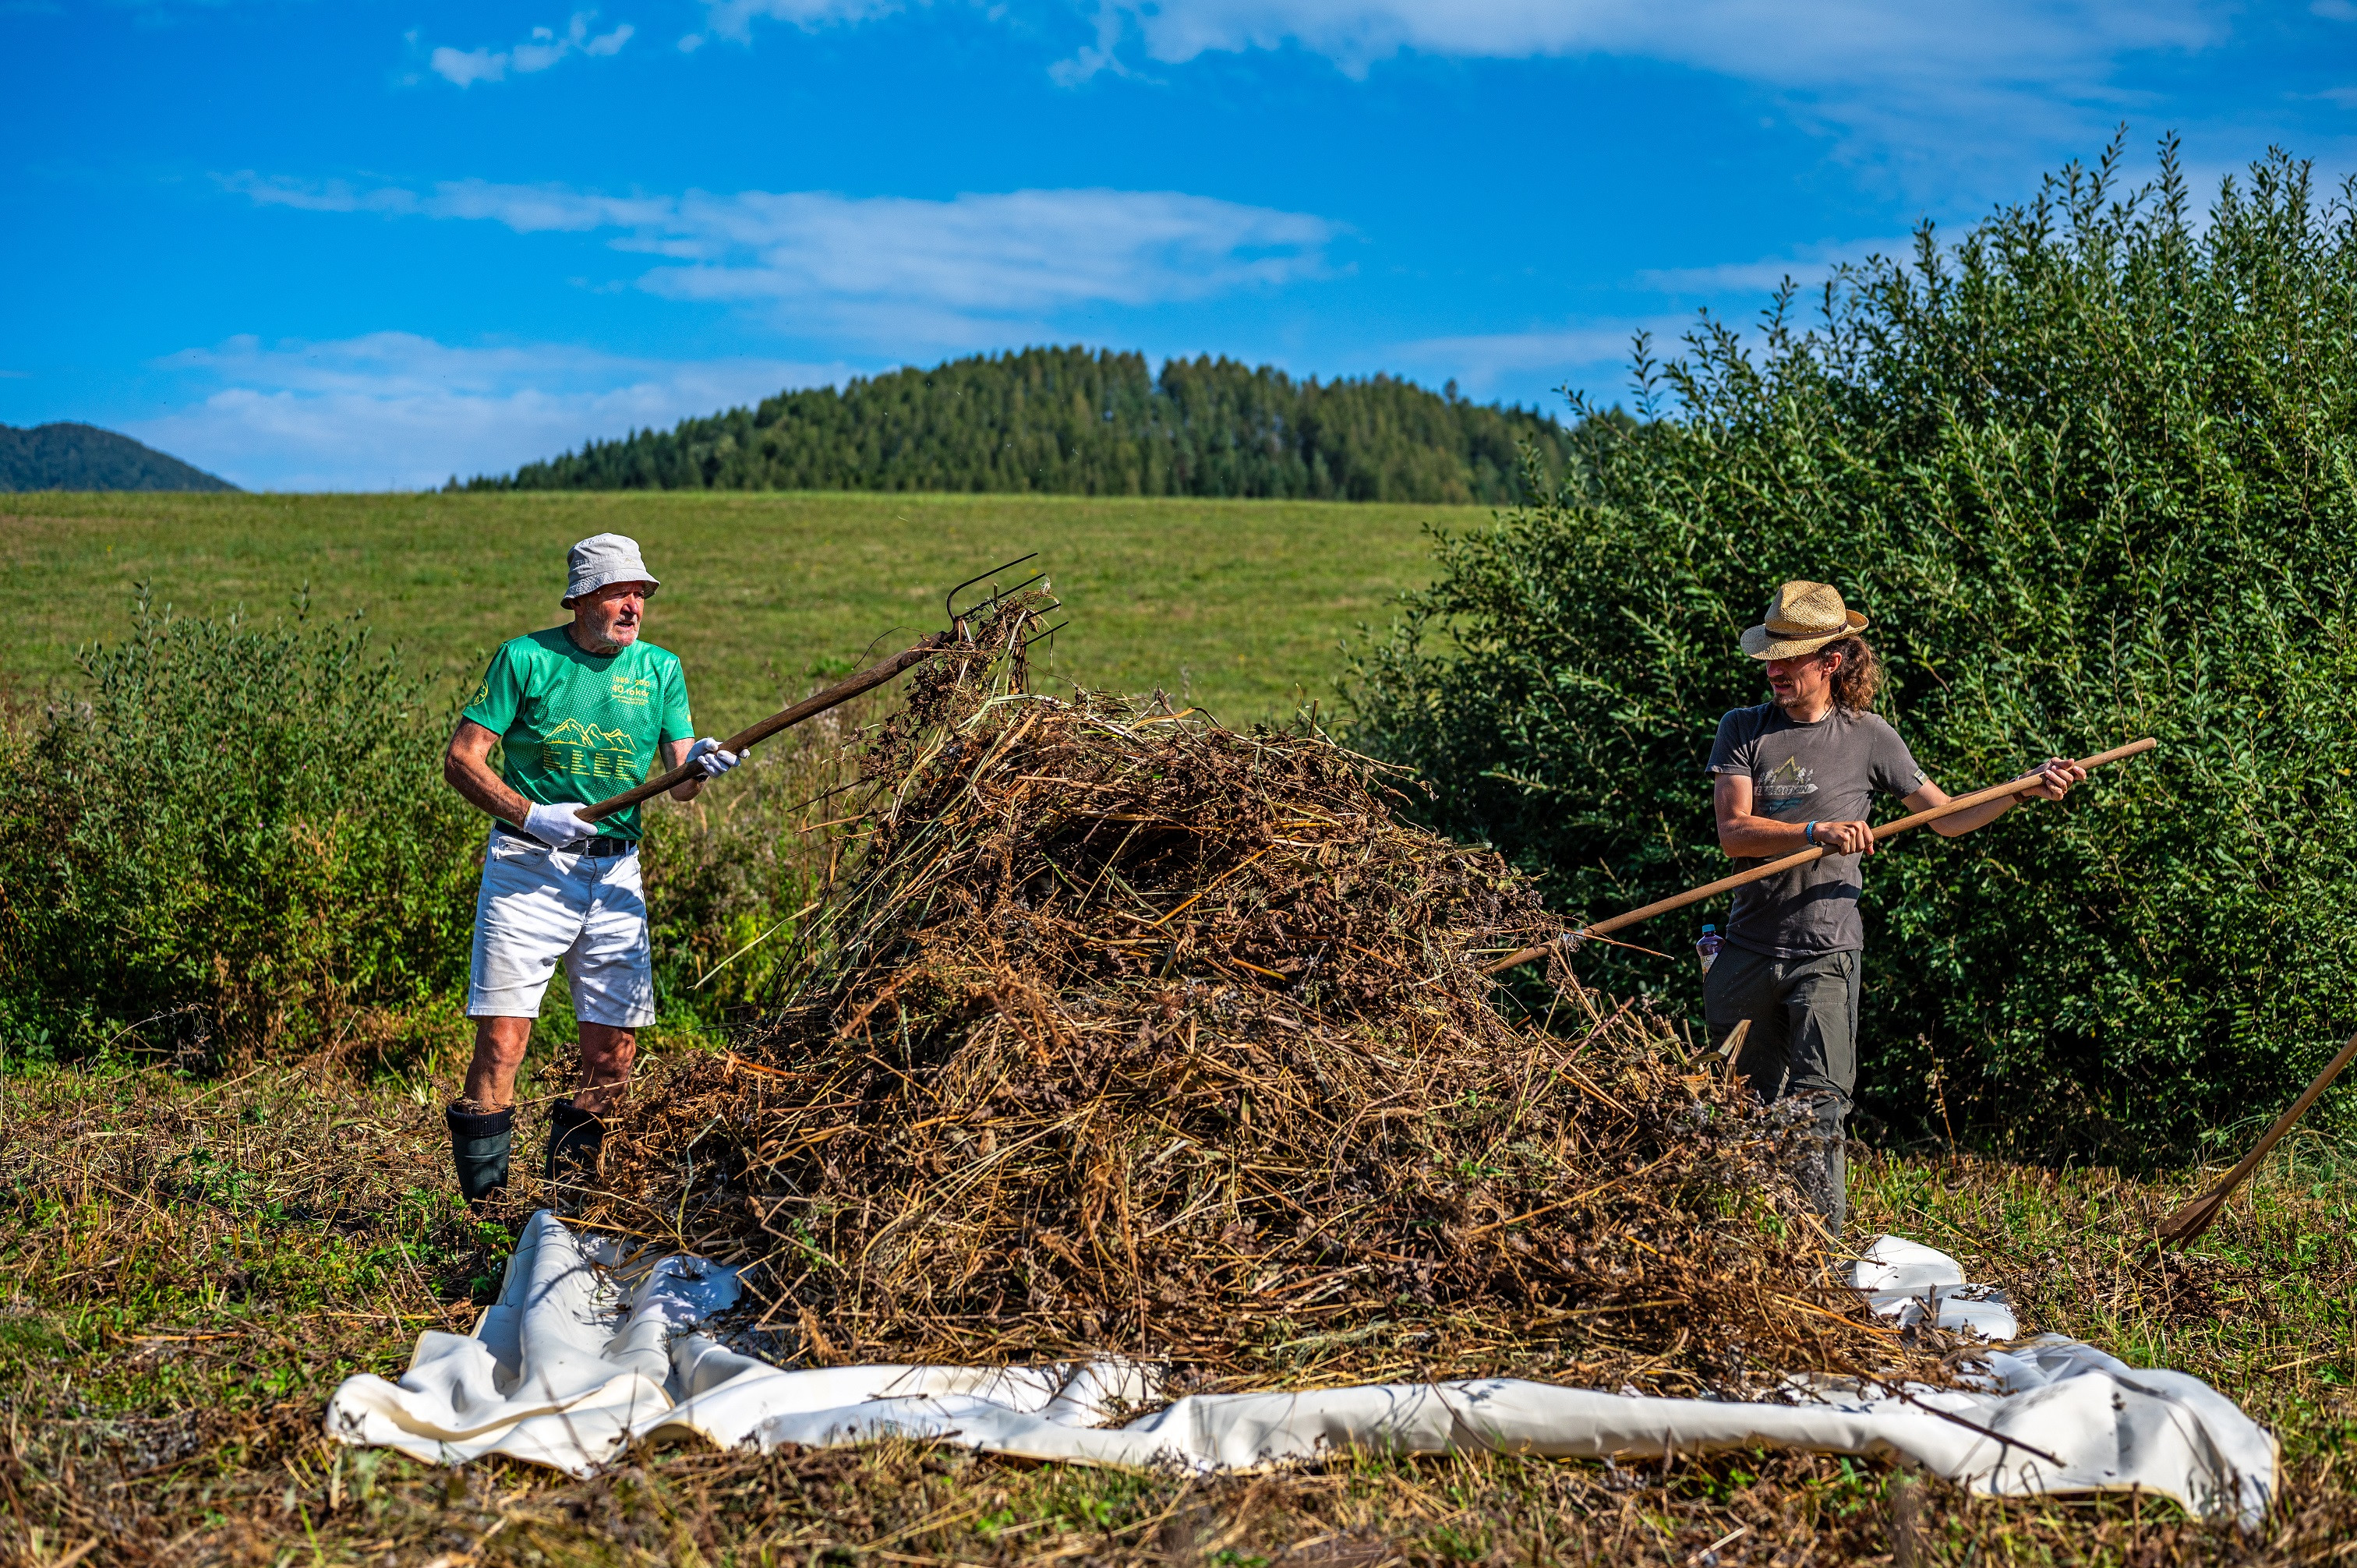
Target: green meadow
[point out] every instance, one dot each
(192, 1257)
(1236, 606)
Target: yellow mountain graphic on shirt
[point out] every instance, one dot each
(585, 751)
(572, 732)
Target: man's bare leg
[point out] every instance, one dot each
(500, 1045)
(576, 1129)
(606, 1057)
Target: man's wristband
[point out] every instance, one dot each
(1811, 832)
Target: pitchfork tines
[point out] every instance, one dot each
(958, 617)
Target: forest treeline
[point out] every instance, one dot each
(1077, 422)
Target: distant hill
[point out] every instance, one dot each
(1073, 422)
(84, 458)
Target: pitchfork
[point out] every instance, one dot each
(959, 636)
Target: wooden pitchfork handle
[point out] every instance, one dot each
(817, 702)
(2195, 1217)
(1887, 829)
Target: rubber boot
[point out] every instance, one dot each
(479, 1147)
(575, 1138)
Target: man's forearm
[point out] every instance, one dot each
(1963, 823)
(1762, 837)
(484, 789)
(676, 751)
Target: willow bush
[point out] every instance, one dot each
(232, 838)
(233, 835)
(2091, 470)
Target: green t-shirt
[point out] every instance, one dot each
(574, 726)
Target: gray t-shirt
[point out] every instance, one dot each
(1826, 772)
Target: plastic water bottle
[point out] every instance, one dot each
(1707, 948)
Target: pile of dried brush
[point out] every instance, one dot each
(1130, 1033)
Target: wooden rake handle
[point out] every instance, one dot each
(1887, 831)
(2195, 1217)
(817, 702)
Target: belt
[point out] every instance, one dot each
(603, 844)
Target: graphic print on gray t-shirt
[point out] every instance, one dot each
(1826, 772)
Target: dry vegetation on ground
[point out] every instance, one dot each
(191, 1266)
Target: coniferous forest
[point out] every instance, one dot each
(71, 457)
(1076, 422)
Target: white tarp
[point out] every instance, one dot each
(577, 1360)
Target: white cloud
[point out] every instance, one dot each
(947, 272)
(1788, 43)
(317, 196)
(1593, 355)
(1807, 265)
(1943, 81)
(1021, 251)
(735, 18)
(543, 49)
(395, 410)
(1961, 83)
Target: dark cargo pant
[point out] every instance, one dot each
(1803, 1043)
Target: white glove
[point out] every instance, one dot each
(708, 755)
(557, 826)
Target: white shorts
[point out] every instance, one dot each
(538, 907)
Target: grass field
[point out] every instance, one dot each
(191, 1267)
(1235, 605)
(189, 1264)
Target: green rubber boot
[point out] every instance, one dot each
(576, 1137)
(479, 1147)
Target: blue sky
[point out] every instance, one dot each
(353, 244)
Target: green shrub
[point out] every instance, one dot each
(239, 838)
(726, 874)
(2093, 472)
(237, 835)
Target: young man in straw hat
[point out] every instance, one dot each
(580, 712)
(1799, 772)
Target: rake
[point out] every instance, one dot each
(2189, 1222)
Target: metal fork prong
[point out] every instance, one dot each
(949, 600)
(998, 593)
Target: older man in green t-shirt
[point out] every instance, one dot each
(580, 713)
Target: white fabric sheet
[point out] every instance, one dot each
(579, 1359)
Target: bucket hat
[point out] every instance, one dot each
(1801, 619)
(601, 559)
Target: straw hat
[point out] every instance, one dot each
(1801, 619)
